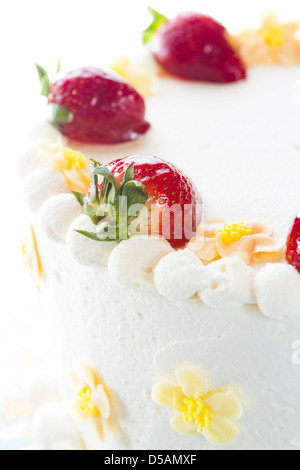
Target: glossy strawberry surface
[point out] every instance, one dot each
(166, 186)
(98, 107)
(293, 244)
(196, 47)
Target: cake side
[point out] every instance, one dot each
(135, 339)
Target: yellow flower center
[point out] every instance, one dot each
(74, 158)
(195, 410)
(274, 36)
(234, 232)
(86, 404)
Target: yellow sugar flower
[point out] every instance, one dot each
(92, 404)
(272, 43)
(213, 414)
(31, 256)
(251, 241)
(71, 163)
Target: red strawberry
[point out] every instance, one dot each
(195, 47)
(152, 182)
(293, 244)
(90, 105)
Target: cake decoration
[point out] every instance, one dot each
(57, 214)
(71, 163)
(293, 244)
(277, 288)
(173, 201)
(194, 47)
(92, 401)
(132, 262)
(213, 414)
(272, 43)
(141, 81)
(249, 241)
(31, 256)
(93, 106)
(180, 275)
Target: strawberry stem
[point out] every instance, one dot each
(110, 203)
(158, 20)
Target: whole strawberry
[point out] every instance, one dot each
(93, 106)
(195, 47)
(293, 244)
(171, 198)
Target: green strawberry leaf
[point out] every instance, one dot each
(81, 197)
(108, 192)
(44, 79)
(58, 67)
(94, 197)
(108, 233)
(59, 115)
(90, 235)
(158, 20)
(114, 207)
(135, 193)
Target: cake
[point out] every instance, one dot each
(164, 347)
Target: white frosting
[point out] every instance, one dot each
(231, 285)
(57, 214)
(29, 160)
(132, 262)
(42, 184)
(278, 291)
(180, 275)
(86, 251)
(54, 429)
(41, 386)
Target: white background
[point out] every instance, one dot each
(79, 32)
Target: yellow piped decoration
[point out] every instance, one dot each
(195, 410)
(212, 414)
(74, 158)
(273, 35)
(92, 404)
(85, 403)
(234, 232)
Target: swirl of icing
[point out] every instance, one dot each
(278, 291)
(132, 262)
(84, 250)
(42, 184)
(230, 286)
(179, 275)
(57, 214)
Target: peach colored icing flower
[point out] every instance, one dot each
(92, 404)
(71, 163)
(213, 414)
(251, 241)
(141, 81)
(272, 43)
